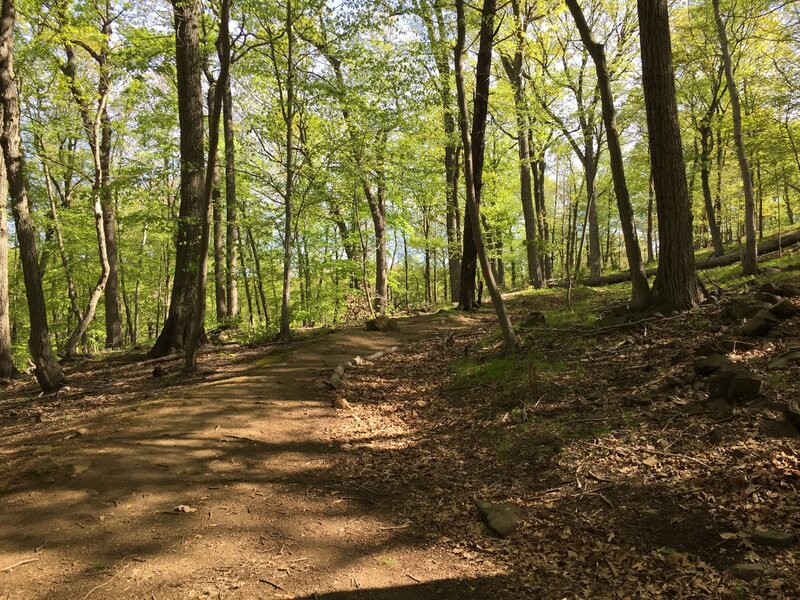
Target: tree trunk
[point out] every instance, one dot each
(650, 197)
(750, 258)
(183, 306)
(48, 371)
(7, 368)
(676, 286)
(220, 287)
(232, 230)
(288, 115)
(469, 256)
(469, 176)
(640, 288)
(706, 146)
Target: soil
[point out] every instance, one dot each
(244, 482)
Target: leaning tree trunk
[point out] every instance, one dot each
(183, 300)
(48, 371)
(640, 288)
(750, 258)
(676, 285)
(483, 71)
(469, 179)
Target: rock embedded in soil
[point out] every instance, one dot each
(774, 538)
(503, 518)
(533, 319)
(707, 365)
(341, 404)
(757, 327)
(767, 297)
(742, 307)
(784, 309)
(381, 323)
(748, 571)
(784, 360)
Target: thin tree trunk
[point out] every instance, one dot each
(48, 371)
(220, 288)
(469, 176)
(706, 147)
(288, 114)
(232, 230)
(7, 368)
(640, 288)
(750, 258)
(650, 198)
(469, 256)
(676, 286)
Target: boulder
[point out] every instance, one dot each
(787, 290)
(742, 307)
(757, 327)
(381, 323)
(767, 297)
(735, 384)
(784, 360)
(503, 518)
(784, 309)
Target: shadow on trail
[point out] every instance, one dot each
(455, 589)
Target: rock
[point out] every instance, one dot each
(784, 309)
(722, 410)
(45, 466)
(757, 327)
(81, 431)
(341, 404)
(748, 571)
(80, 466)
(533, 319)
(381, 323)
(715, 435)
(736, 346)
(767, 297)
(503, 518)
(787, 290)
(774, 538)
(742, 307)
(792, 412)
(770, 287)
(781, 429)
(42, 450)
(707, 365)
(784, 360)
(744, 387)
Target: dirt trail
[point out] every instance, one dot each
(249, 451)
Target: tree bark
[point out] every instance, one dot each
(640, 288)
(469, 256)
(232, 230)
(676, 286)
(288, 117)
(7, 368)
(750, 257)
(220, 287)
(183, 301)
(507, 329)
(48, 371)
(706, 147)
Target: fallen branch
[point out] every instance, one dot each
(19, 563)
(273, 584)
(97, 587)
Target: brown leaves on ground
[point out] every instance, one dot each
(632, 484)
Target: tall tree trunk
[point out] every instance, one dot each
(650, 197)
(232, 230)
(788, 203)
(288, 117)
(470, 181)
(676, 286)
(183, 307)
(196, 325)
(7, 368)
(48, 371)
(750, 258)
(469, 256)
(220, 289)
(706, 146)
(640, 288)
(513, 68)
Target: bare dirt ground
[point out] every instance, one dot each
(92, 477)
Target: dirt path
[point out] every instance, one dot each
(249, 452)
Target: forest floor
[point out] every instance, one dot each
(244, 482)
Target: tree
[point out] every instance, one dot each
(48, 371)
(7, 367)
(473, 209)
(641, 290)
(750, 257)
(183, 305)
(676, 286)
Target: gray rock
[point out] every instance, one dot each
(45, 466)
(767, 297)
(707, 365)
(707, 349)
(722, 410)
(757, 327)
(784, 309)
(781, 429)
(503, 518)
(744, 387)
(742, 307)
(715, 435)
(774, 538)
(784, 360)
(749, 571)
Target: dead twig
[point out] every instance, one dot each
(272, 583)
(19, 563)
(97, 587)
